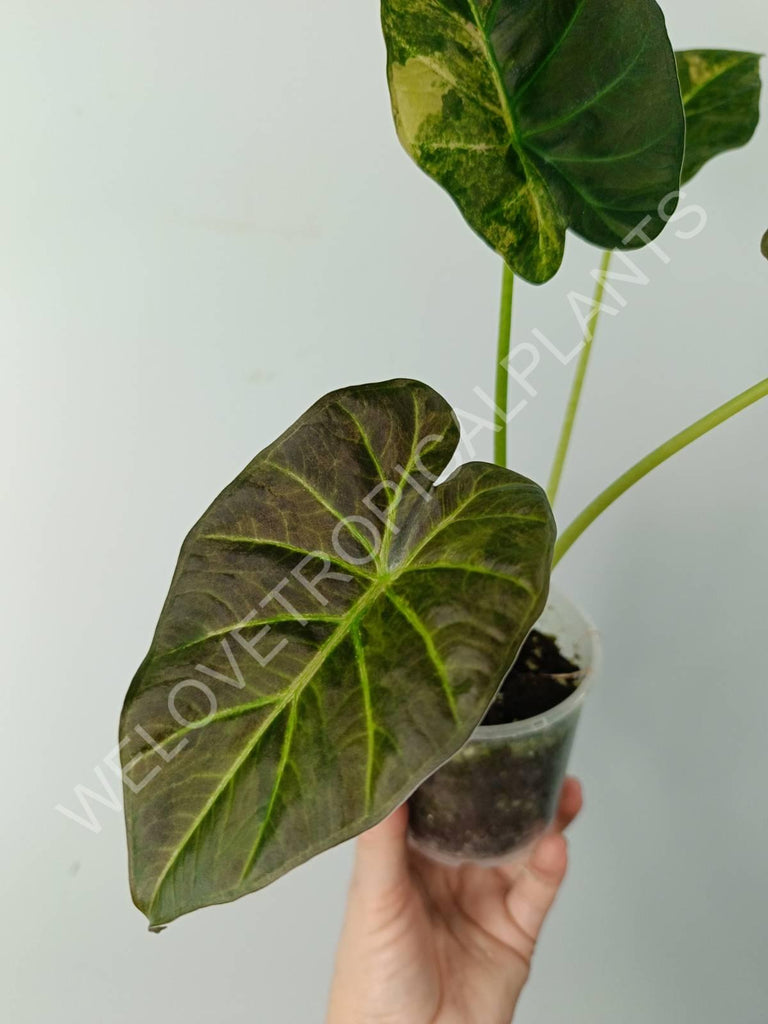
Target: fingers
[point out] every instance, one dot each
(571, 802)
(536, 886)
(533, 893)
(382, 863)
(368, 965)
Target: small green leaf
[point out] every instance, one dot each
(721, 96)
(764, 245)
(335, 629)
(540, 115)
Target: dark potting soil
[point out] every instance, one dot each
(540, 678)
(494, 798)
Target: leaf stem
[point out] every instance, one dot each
(656, 457)
(502, 371)
(578, 384)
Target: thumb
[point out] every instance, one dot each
(381, 864)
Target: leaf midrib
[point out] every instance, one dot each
(498, 80)
(532, 175)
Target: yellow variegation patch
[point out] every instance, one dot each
(421, 91)
(721, 95)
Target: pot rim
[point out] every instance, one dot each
(588, 672)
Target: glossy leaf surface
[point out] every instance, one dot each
(335, 629)
(721, 95)
(540, 115)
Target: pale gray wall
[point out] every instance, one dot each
(206, 223)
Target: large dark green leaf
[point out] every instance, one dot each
(721, 95)
(540, 115)
(373, 675)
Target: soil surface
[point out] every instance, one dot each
(540, 679)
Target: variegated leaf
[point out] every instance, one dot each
(540, 115)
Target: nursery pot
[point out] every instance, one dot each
(500, 792)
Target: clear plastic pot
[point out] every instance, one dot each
(500, 792)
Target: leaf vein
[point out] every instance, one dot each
(411, 616)
(285, 546)
(285, 753)
(479, 570)
(555, 49)
(370, 725)
(344, 520)
(590, 102)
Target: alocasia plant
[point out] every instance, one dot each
(339, 620)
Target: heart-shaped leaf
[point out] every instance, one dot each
(721, 96)
(335, 629)
(540, 115)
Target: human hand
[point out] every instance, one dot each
(423, 943)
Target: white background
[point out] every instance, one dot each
(207, 222)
